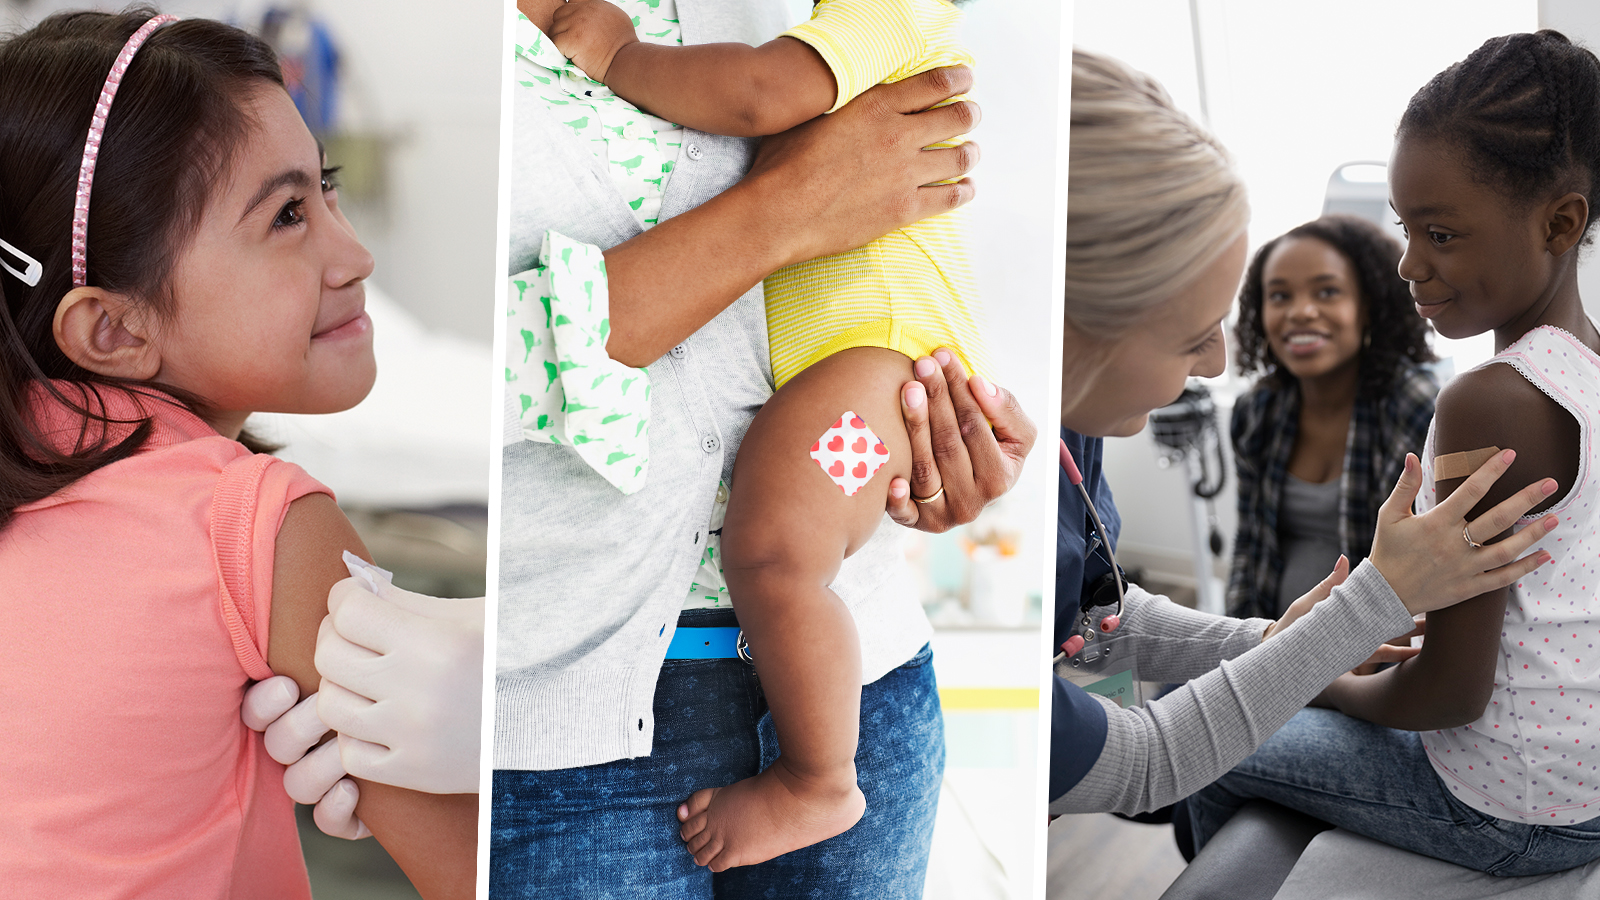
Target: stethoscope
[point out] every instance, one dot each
(1072, 645)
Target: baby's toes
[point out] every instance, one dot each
(698, 802)
(707, 851)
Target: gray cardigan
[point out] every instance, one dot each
(591, 581)
(1243, 690)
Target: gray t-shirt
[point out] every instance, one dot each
(1308, 536)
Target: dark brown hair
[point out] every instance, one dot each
(178, 119)
(1398, 333)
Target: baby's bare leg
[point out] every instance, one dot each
(788, 529)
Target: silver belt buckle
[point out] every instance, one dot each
(741, 647)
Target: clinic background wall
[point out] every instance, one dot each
(1293, 90)
(1580, 21)
(424, 77)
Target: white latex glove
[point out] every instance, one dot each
(402, 683)
(291, 729)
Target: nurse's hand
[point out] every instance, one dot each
(402, 677)
(317, 777)
(968, 440)
(1426, 559)
(1386, 653)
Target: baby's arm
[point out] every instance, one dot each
(731, 89)
(432, 836)
(1450, 682)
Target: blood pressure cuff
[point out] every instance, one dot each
(1077, 735)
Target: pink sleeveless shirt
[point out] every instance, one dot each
(1533, 756)
(135, 606)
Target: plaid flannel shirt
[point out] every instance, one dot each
(1265, 420)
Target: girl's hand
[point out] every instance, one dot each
(968, 440)
(1397, 649)
(1341, 571)
(1425, 558)
(590, 33)
(1386, 653)
(851, 176)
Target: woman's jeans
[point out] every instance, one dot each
(1377, 782)
(611, 830)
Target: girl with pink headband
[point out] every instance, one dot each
(173, 259)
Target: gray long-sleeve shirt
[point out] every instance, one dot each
(1243, 689)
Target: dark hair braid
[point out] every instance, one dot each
(1398, 334)
(1526, 109)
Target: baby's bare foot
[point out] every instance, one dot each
(778, 811)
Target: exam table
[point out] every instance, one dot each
(1267, 852)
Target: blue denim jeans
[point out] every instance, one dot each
(610, 831)
(1377, 782)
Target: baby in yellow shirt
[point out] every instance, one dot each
(841, 330)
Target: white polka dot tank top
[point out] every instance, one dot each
(1533, 756)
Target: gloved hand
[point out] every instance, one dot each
(291, 729)
(402, 683)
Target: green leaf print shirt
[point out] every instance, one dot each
(562, 387)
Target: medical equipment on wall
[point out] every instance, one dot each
(1092, 657)
(310, 61)
(1361, 189)
(1186, 431)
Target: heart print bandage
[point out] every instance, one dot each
(849, 453)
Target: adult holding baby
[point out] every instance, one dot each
(598, 739)
(1156, 246)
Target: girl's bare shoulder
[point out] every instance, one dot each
(1495, 406)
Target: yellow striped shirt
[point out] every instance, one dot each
(911, 290)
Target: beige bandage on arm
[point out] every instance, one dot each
(1460, 465)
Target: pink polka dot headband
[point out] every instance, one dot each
(91, 147)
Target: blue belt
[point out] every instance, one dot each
(705, 643)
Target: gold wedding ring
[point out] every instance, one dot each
(936, 495)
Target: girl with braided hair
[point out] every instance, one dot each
(1481, 749)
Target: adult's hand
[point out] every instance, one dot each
(1386, 653)
(292, 730)
(1425, 558)
(401, 683)
(968, 441)
(862, 172)
(829, 185)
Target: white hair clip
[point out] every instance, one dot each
(31, 270)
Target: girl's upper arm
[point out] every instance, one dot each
(432, 836)
(1496, 407)
(1493, 406)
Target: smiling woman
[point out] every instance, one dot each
(1341, 400)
